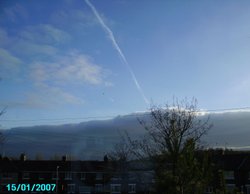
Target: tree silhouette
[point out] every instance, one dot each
(172, 138)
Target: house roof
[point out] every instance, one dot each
(47, 165)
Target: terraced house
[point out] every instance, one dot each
(232, 172)
(83, 177)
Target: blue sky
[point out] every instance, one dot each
(69, 60)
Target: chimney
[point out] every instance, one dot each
(105, 158)
(23, 157)
(64, 158)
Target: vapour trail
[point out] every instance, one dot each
(117, 48)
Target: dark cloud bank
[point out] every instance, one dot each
(92, 139)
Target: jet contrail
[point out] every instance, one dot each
(117, 48)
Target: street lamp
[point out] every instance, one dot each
(57, 167)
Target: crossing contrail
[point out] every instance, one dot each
(117, 48)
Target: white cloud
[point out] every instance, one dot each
(45, 34)
(9, 63)
(7, 59)
(24, 46)
(53, 80)
(38, 40)
(4, 39)
(73, 69)
(80, 68)
(47, 96)
(52, 75)
(15, 12)
(29, 48)
(108, 84)
(44, 97)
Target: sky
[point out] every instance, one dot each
(69, 61)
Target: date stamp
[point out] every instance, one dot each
(30, 187)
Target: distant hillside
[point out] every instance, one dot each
(92, 139)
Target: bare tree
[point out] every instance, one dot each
(170, 132)
(120, 155)
(121, 151)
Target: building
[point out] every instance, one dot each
(236, 168)
(231, 171)
(79, 177)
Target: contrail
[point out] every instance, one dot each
(117, 48)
